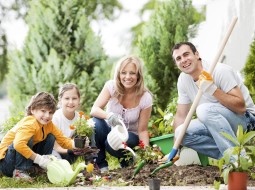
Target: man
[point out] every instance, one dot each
(224, 105)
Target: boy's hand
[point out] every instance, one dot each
(206, 83)
(43, 160)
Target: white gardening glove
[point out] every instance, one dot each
(113, 119)
(43, 160)
(206, 84)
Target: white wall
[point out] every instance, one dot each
(219, 15)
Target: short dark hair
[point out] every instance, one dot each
(41, 100)
(178, 45)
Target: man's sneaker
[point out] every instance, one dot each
(104, 169)
(22, 175)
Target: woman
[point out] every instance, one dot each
(127, 98)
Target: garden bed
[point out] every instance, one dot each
(191, 175)
(194, 175)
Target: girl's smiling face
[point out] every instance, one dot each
(70, 101)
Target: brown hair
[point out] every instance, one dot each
(178, 45)
(41, 100)
(139, 86)
(66, 87)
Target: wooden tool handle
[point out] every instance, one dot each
(199, 94)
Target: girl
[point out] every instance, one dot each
(126, 98)
(69, 101)
(32, 139)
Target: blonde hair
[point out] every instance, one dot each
(139, 86)
(41, 100)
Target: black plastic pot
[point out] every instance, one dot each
(154, 184)
(79, 142)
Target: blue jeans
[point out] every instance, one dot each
(251, 121)
(101, 131)
(204, 133)
(14, 160)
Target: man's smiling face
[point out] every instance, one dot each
(186, 60)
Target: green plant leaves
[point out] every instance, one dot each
(247, 137)
(240, 157)
(239, 134)
(232, 139)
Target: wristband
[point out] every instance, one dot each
(172, 154)
(70, 152)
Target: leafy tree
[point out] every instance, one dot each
(101, 9)
(137, 29)
(3, 56)
(249, 71)
(17, 9)
(60, 47)
(172, 21)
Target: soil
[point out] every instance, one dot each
(191, 175)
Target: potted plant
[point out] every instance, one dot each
(238, 160)
(84, 127)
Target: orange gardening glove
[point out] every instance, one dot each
(206, 83)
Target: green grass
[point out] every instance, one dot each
(42, 180)
(39, 182)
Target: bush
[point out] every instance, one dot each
(249, 71)
(173, 21)
(163, 123)
(12, 121)
(60, 47)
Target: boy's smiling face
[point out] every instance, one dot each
(42, 115)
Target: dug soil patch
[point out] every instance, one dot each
(191, 175)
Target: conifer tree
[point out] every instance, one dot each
(3, 56)
(249, 71)
(172, 21)
(60, 47)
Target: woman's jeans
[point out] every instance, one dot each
(14, 160)
(101, 131)
(204, 133)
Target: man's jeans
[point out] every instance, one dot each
(251, 121)
(14, 160)
(101, 131)
(204, 133)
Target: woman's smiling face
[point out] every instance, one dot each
(128, 75)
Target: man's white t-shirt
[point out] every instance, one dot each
(224, 77)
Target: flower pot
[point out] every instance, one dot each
(154, 184)
(237, 181)
(166, 142)
(79, 142)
